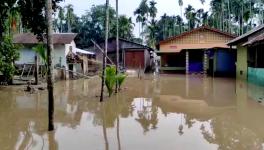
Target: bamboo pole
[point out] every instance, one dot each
(117, 45)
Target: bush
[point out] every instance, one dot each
(120, 79)
(110, 79)
(8, 55)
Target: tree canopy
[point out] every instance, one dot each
(91, 25)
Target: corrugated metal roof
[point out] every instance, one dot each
(254, 40)
(236, 40)
(77, 50)
(30, 38)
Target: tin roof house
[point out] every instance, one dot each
(250, 55)
(202, 50)
(64, 49)
(132, 55)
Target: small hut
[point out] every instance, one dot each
(132, 55)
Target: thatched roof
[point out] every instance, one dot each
(58, 38)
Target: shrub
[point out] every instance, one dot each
(8, 55)
(110, 79)
(120, 79)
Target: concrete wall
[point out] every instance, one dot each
(26, 56)
(256, 75)
(241, 64)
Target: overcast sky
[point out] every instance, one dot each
(127, 7)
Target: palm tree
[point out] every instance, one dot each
(61, 17)
(139, 19)
(105, 50)
(142, 14)
(199, 14)
(181, 4)
(117, 44)
(152, 28)
(126, 26)
(205, 17)
(189, 14)
(50, 83)
(179, 21)
(153, 10)
(69, 16)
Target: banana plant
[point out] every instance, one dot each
(41, 51)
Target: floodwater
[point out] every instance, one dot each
(172, 112)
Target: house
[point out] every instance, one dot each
(66, 57)
(132, 55)
(202, 50)
(250, 55)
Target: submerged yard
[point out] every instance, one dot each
(172, 112)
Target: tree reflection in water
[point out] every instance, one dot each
(147, 113)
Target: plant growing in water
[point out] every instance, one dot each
(41, 51)
(110, 79)
(120, 79)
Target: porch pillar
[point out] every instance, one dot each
(205, 61)
(187, 62)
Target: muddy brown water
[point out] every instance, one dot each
(172, 112)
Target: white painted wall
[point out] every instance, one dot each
(27, 56)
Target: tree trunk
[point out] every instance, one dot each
(36, 70)
(117, 44)
(49, 65)
(229, 17)
(105, 50)
(69, 26)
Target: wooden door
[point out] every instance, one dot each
(134, 59)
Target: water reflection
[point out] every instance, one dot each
(172, 112)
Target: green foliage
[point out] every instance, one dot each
(120, 79)
(92, 26)
(31, 12)
(41, 51)
(110, 79)
(8, 55)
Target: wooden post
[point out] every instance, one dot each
(205, 63)
(187, 62)
(117, 44)
(36, 70)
